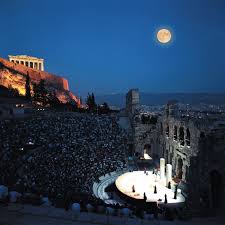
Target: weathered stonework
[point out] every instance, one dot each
(194, 146)
(132, 100)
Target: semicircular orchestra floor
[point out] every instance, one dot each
(135, 184)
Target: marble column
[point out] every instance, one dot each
(162, 168)
(168, 173)
(42, 66)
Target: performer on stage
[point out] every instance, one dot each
(145, 197)
(133, 189)
(165, 201)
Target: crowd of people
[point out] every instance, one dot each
(59, 154)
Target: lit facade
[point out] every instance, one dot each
(29, 61)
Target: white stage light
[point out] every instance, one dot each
(146, 184)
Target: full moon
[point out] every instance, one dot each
(164, 36)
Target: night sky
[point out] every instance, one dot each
(109, 46)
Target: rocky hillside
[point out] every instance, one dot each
(14, 75)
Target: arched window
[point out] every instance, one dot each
(188, 137)
(181, 135)
(175, 133)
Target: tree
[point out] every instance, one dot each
(27, 87)
(40, 96)
(69, 106)
(52, 100)
(81, 100)
(93, 99)
(92, 106)
(73, 105)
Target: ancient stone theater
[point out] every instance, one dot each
(194, 145)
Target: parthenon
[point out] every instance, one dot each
(29, 61)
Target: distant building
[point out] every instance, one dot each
(29, 61)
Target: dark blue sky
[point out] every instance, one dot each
(108, 46)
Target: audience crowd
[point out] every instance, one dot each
(60, 154)
(55, 158)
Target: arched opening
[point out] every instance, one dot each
(167, 130)
(202, 135)
(175, 133)
(179, 168)
(181, 135)
(147, 151)
(188, 137)
(217, 189)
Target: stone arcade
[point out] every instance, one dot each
(29, 61)
(195, 147)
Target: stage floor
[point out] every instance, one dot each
(146, 183)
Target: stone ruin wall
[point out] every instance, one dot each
(171, 149)
(204, 155)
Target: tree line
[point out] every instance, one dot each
(41, 96)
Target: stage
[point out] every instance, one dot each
(143, 183)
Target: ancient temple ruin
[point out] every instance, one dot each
(29, 61)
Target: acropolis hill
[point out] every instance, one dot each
(14, 75)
